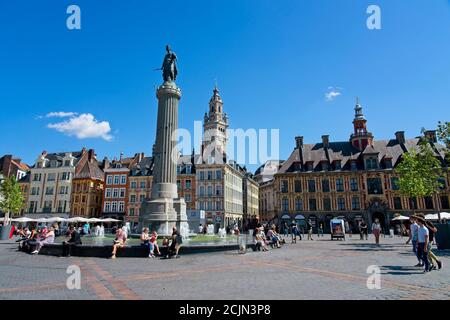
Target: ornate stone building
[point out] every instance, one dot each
(50, 186)
(87, 187)
(354, 179)
(250, 199)
(139, 188)
(116, 186)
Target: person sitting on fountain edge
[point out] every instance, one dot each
(74, 240)
(175, 245)
(145, 242)
(119, 242)
(154, 244)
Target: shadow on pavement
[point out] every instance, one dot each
(401, 270)
(371, 246)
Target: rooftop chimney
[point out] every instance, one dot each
(91, 155)
(105, 163)
(299, 142)
(430, 135)
(400, 136)
(326, 141)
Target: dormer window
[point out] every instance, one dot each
(388, 163)
(337, 165)
(354, 166)
(309, 166)
(188, 169)
(325, 166)
(371, 163)
(40, 164)
(67, 163)
(53, 164)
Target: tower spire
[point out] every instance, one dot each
(358, 111)
(215, 126)
(360, 137)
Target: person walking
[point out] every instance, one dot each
(310, 230)
(422, 243)
(432, 258)
(363, 228)
(413, 235)
(294, 232)
(376, 230)
(320, 230)
(286, 229)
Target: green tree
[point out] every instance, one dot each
(443, 135)
(11, 198)
(419, 173)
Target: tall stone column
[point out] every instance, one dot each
(164, 210)
(165, 170)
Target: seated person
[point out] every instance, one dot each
(30, 240)
(154, 243)
(260, 240)
(273, 236)
(175, 245)
(48, 237)
(145, 242)
(74, 239)
(119, 242)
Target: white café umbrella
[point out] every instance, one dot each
(56, 219)
(400, 218)
(435, 216)
(77, 219)
(445, 215)
(94, 220)
(432, 216)
(23, 220)
(110, 220)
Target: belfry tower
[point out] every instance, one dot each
(360, 138)
(215, 125)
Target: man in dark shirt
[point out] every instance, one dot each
(177, 241)
(363, 230)
(74, 240)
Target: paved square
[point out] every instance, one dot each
(320, 269)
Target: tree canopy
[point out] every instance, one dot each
(11, 198)
(419, 172)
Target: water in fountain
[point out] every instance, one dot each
(210, 229)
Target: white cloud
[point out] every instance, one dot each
(60, 114)
(83, 126)
(332, 93)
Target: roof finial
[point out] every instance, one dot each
(357, 100)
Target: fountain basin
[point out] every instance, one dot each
(98, 251)
(90, 248)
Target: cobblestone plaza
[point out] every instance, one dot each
(319, 269)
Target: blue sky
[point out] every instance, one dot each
(274, 61)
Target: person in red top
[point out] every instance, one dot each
(13, 230)
(154, 243)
